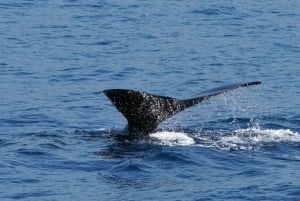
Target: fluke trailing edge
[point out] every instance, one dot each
(145, 111)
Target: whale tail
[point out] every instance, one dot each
(145, 111)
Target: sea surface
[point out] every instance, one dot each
(60, 135)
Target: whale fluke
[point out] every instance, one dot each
(145, 111)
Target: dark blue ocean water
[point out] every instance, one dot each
(57, 128)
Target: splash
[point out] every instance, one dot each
(251, 138)
(241, 139)
(269, 135)
(172, 138)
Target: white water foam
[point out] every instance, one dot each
(241, 139)
(251, 139)
(269, 135)
(172, 138)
